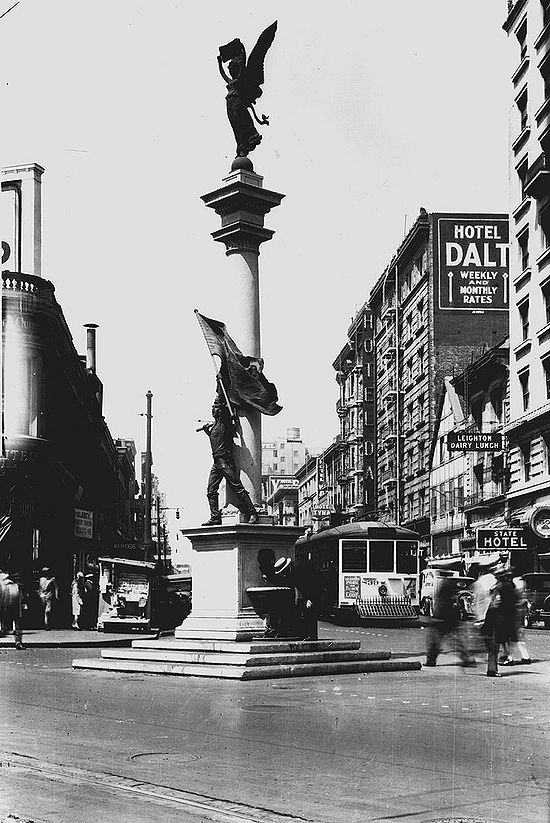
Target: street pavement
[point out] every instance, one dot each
(438, 744)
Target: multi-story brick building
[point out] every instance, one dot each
(443, 296)
(528, 430)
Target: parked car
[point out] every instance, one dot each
(537, 593)
(430, 580)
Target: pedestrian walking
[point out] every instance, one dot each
(78, 597)
(446, 625)
(47, 591)
(515, 651)
(486, 602)
(11, 605)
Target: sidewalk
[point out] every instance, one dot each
(70, 638)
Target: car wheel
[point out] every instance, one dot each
(547, 624)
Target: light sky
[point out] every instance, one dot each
(376, 109)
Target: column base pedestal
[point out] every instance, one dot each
(225, 564)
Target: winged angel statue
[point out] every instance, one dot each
(243, 87)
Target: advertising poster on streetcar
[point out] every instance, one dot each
(472, 262)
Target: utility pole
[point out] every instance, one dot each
(148, 481)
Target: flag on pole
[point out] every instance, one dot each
(242, 376)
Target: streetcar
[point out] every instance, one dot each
(371, 570)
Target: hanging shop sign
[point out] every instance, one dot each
(83, 524)
(472, 263)
(474, 441)
(494, 539)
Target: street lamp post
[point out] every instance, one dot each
(148, 480)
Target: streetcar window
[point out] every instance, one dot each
(406, 557)
(381, 556)
(354, 556)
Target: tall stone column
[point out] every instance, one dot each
(242, 204)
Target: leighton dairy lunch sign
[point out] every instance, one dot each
(472, 259)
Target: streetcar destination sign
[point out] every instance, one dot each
(501, 539)
(474, 441)
(472, 257)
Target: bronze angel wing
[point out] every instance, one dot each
(254, 74)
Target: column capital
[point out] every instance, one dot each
(242, 204)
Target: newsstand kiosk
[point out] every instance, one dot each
(128, 589)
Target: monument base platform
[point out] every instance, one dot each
(256, 660)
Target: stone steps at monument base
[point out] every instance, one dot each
(246, 647)
(240, 672)
(229, 659)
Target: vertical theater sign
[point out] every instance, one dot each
(472, 261)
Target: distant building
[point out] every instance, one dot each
(284, 455)
(442, 298)
(349, 465)
(528, 429)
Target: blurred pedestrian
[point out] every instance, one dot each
(47, 591)
(515, 650)
(446, 625)
(11, 605)
(486, 602)
(78, 597)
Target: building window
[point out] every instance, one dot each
(521, 103)
(545, 72)
(477, 411)
(408, 326)
(524, 384)
(421, 455)
(420, 357)
(546, 298)
(523, 246)
(409, 417)
(522, 177)
(420, 408)
(497, 402)
(523, 310)
(420, 312)
(409, 371)
(421, 502)
(544, 223)
(546, 366)
(525, 450)
(410, 506)
(521, 34)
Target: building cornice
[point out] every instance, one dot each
(513, 13)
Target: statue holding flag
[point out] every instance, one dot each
(240, 383)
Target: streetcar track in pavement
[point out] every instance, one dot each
(215, 809)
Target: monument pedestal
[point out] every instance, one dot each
(225, 564)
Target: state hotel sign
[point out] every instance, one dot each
(472, 263)
(495, 539)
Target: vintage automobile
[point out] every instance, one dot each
(430, 581)
(537, 592)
